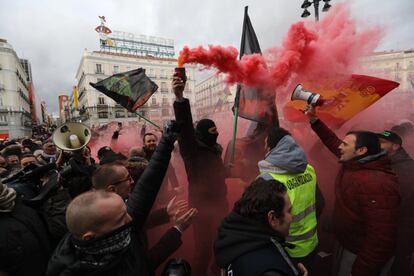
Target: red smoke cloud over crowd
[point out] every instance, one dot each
(310, 50)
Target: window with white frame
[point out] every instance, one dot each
(99, 68)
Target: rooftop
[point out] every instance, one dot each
(135, 56)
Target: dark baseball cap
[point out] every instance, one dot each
(390, 136)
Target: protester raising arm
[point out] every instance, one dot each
(327, 136)
(182, 110)
(145, 191)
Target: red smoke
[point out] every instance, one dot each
(310, 51)
(250, 70)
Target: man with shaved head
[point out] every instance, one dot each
(113, 178)
(116, 178)
(104, 236)
(95, 213)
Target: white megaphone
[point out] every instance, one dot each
(313, 99)
(71, 136)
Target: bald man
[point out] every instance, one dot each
(104, 236)
(115, 178)
(95, 213)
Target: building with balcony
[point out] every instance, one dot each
(213, 95)
(393, 65)
(96, 109)
(121, 52)
(397, 66)
(32, 94)
(15, 103)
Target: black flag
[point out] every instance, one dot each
(252, 103)
(130, 89)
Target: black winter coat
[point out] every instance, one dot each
(203, 164)
(403, 166)
(24, 243)
(133, 260)
(167, 244)
(248, 248)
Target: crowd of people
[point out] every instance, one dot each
(67, 213)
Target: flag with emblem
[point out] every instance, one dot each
(131, 89)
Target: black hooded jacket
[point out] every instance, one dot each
(132, 260)
(249, 248)
(203, 164)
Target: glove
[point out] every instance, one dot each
(172, 130)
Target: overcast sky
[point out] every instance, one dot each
(52, 34)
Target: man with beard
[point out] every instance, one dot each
(251, 239)
(403, 166)
(170, 185)
(206, 173)
(104, 234)
(287, 163)
(367, 201)
(14, 163)
(49, 153)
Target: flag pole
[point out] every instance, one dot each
(236, 99)
(236, 116)
(146, 119)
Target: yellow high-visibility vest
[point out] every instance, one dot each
(301, 189)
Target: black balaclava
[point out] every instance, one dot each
(202, 133)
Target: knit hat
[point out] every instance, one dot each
(12, 150)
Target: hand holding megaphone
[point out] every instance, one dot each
(313, 99)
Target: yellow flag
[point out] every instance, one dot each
(75, 97)
(343, 100)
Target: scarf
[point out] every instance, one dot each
(7, 197)
(102, 250)
(50, 158)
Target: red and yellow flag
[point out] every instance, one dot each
(343, 100)
(75, 97)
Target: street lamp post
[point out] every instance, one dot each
(306, 4)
